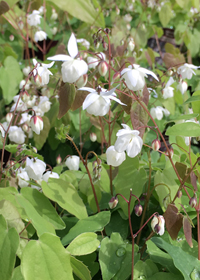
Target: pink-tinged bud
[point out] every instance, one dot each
(21, 24)
(82, 81)
(103, 68)
(93, 137)
(11, 37)
(179, 194)
(35, 150)
(25, 96)
(9, 117)
(116, 76)
(156, 144)
(138, 210)
(171, 152)
(193, 201)
(10, 163)
(36, 124)
(25, 127)
(105, 46)
(113, 202)
(58, 159)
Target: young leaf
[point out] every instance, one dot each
(67, 95)
(187, 228)
(173, 220)
(80, 269)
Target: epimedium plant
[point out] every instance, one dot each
(99, 152)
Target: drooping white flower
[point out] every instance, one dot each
(16, 135)
(134, 78)
(157, 112)
(36, 124)
(35, 168)
(168, 91)
(42, 70)
(50, 174)
(40, 36)
(23, 82)
(186, 70)
(44, 104)
(34, 18)
(84, 42)
(182, 86)
(23, 178)
(128, 140)
(158, 224)
(72, 162)
(72, 69)
(26, 70)
(98, 102)
(113, 157)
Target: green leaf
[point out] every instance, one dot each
(39, 223)
(180, 3)
(43, 206)
(83, 244)
(80, 269)
(184, 129)
(81, 9)
(90, 224)
(112, 253)
(9, 242)
(117, 224)
(10, 77)
(193, 98)
(41, 138)
(165, 14)
(10, 213)
(135, 179)
(165, 276)
(66, 196)
(184, 262)
(158, 256)
(46, 259)
(17, 274)
(144, 270)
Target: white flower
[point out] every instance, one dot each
(84, 42)
(44, 104)
(127, 18)
(36, 124)
(113, 157)
(43, 71)
(182, 86)
(54, 15)
(157, 113)
(23, 178)
(35, 168)
(41, 10)
(158, 224)
(72, 69)
(22, 83)
(186, 71)
(2, 131)
(54, 30)
(72, 162)
(94, 61)
(128, 140)
(134, 78)
(168, 92)
(26, 70)
(98, 103)
(34, 18)
(93, 137)
(16, 135)
(40, 36)
(49, 174)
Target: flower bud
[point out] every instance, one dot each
(93, 137)
(35, 150)
(158, 224)
(138, 210)
(82, 81)
(21, 24)
(103, 68)
(179, 194)
(36, 124)
(58, 159)
(117, 10)
(72, 162)
(193, 201)
(116, 76)
(105, 46)
(25, 127)
(156, 144)
(11, 37)
(26, 70)
(171, 152)
(131, 45)
(113, 202)
(9, 117)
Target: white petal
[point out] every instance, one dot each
(60, 57)
(134, 147)
(90, 98)
(87, 89)
(124, 71)
(72, 46)
(117, 100)
(49, 65)
(148, 72)
(122, 143)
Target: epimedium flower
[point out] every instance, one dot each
(42, 71)
(72, 162)
(23, 178)
(168, 91)
(50, 174)
(158, 112)
(186, 70)
(134, 76)
(128, 140)
(40, 36)
(34, 18)
(35, 168)
(97, 102)
(16, 134)
(158, 224)
(72, 69)
(182, 86)
(36, 124)
(113, 157)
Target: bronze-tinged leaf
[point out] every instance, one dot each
(148, 58)
(193, 179)
(171, 60)
(67, 95)
(139, 117)
(126, 100)
(187, 228)
(145, 95)
(4, 7)
(173, 220)
(79, 98)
